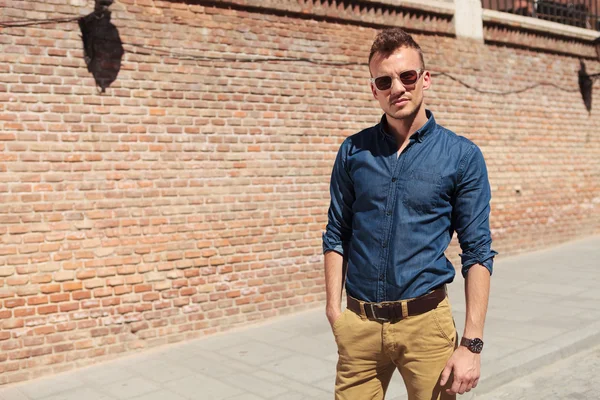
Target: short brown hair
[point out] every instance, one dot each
(390, 40)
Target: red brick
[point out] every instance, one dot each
(86, 274)
(41, 351)
(103, 292)
(68, 307)
(188, 291)
(143, 307)
(46, 278)
(17, 280)
(94, 283)
(82, 295)
(47, 309)
(64, 276)
(111, 301)
(46, 289)
(181, 302)
(119, 290)
(71, 286)
(87, 304)
(59, 298)
(64, 347)
(100, 332)
(142, 288)
(11, 303)
(13, 323)
(150, 297)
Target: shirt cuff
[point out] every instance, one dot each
(331, 245)
(487, 261)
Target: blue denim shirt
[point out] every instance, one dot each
(392, 217)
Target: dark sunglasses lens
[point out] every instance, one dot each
(383, 82)
(409, 77)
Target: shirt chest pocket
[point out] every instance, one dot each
(422, 190)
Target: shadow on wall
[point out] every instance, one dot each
(585, 86)
(103, 49)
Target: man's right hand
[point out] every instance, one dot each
(332, 315)
(333, 285)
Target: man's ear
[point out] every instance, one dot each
(373, 90)
(426, 80)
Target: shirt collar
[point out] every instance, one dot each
(419, 135)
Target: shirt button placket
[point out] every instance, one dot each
(381, 288)
(388, 213)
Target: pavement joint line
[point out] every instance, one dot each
(591, 339)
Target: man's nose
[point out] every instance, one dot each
(397, 85)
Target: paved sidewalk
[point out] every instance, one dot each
(543, 307)
(574, 378)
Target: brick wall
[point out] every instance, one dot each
(190, 197)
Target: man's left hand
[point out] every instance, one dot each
(466, 367)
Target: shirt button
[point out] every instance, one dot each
(393, 179)
(384, 245)
(388, 213)
(380, 277)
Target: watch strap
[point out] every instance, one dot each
(474, 345)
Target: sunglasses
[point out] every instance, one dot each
(407, 78)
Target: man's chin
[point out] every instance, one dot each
(402, 114)
(405, 111)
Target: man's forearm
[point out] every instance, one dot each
(333, 281)
(477, 292)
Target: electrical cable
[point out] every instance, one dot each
(562, 89)
(182, 56)
(30, 22)
(188, 57)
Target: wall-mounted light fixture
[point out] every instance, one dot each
(102, 45)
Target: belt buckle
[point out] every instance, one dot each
(372, 306)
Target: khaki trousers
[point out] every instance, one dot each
(370, 351)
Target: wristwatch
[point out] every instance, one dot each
(475, 345)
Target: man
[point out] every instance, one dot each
(399, 190)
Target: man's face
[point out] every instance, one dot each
(400, 101)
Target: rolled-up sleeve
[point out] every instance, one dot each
(471, 212)
(339, 224)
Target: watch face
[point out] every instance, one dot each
(476, 345)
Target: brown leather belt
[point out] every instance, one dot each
(392, 311)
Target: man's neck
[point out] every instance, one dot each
(402, 129)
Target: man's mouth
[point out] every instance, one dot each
(400, 100)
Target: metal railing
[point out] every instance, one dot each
(581, 13)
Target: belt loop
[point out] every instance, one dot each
(361, 304)
(404, 309)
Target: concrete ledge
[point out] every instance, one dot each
(542, 26)
(438, 7)
(429, 17)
